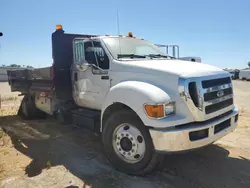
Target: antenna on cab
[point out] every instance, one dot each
(118, 23)
(118, 30)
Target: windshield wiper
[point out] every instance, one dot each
(130, 56)
(160, 55)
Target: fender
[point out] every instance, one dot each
(135, 94)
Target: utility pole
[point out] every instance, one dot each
(1, 34)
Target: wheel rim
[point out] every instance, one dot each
(129, 143)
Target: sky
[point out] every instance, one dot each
(218, 31)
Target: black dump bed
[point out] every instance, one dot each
(58, 76)
(30, 80)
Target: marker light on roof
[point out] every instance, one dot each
(59, 27)
(130, 34)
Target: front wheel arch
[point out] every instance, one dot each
(117, 106)
(133, 95)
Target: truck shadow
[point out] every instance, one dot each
(50, 144)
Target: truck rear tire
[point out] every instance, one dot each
(28, 109)
(128, 144)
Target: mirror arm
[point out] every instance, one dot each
(97, 67)
(93, 65)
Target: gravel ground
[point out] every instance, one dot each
(43, 153)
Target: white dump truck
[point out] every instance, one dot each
(141, 102)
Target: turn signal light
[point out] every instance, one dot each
(155, 111)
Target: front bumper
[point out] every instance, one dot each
(194, 135)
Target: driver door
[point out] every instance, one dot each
(90, 82)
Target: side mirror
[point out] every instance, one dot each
(84, 65)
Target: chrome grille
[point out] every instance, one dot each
(216, 82)
(218, 94)
(207, 97)
(218, 106)
(213, 95)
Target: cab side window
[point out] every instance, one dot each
(89, 53)
(79, 51)
(95, 54)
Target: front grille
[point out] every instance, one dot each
(218, 106)
(210, 96)
(213, 95)
(215, 82)
(218, 94)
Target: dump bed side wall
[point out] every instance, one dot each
(30, 80)
(19, 80)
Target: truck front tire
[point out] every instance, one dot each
(128, 144)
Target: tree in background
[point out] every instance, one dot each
(16, 66)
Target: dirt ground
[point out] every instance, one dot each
(43, 153)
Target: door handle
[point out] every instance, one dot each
(105, 77)
(75, 76)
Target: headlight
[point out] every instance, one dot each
(159, 111)
(169, 108)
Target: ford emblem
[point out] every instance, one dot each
(220, 93)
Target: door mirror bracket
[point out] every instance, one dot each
(95, 69)
(84, 65)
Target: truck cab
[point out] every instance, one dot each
(141, 101)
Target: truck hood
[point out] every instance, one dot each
(178, 68)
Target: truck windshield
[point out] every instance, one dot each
(132, 48)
